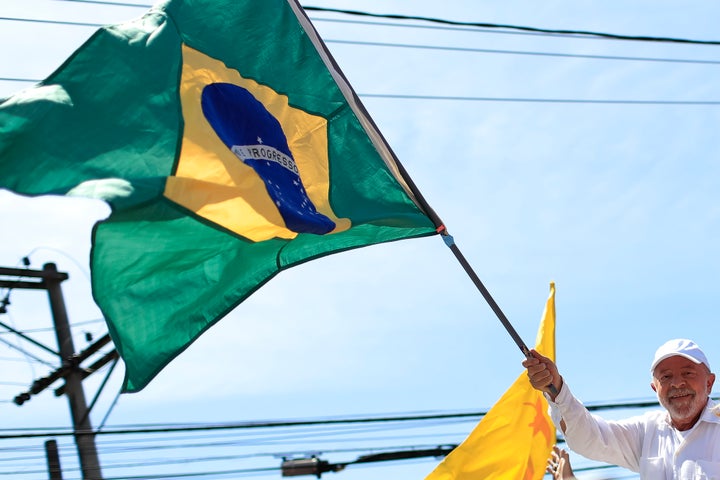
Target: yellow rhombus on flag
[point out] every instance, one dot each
(514, 439)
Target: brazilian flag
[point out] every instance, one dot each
(229, 146)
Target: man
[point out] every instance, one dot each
(681, 443)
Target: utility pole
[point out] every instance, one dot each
(84, 435)
(50, 279)
(53, 460)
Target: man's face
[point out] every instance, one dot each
(683, 388)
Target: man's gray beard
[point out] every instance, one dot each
(685, 412)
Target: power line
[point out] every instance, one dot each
(421, 47)
(574, 33)
(114, 4)
(377, 454)
(169, 428)
(26, 353)
(254, 440)
(519, 52)
(487, 100)
(244, 472)
(539, 100)
(440, 27)
(339, 432)
(461, 49)
(52, 22)
(456, 98)
(51, 329)
(155, 463)
(486, 25)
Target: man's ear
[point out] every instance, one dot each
(652, 385)
(710, 382)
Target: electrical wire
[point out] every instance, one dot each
(520, 52)
(475, 50)
(235, 472)
(590, 101)
(110, 410)
(244, 472)
(114, 4)
(334, 433)
(294, 423)
(52, 329)
(52, 22)
(200, 457)
(538, 100)
(19, 80)
(573, 33)
(465, 98)
(422, 47)
(442, 21)
(27, 356)
(26, 353)
(80, 266)
(456, 29)
(401, 45)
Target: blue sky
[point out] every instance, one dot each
(616, 203)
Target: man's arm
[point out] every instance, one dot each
(590, 436)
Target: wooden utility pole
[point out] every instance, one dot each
(53, 460)
(84, 435)
(49, 279)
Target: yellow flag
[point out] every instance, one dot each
(514, 439)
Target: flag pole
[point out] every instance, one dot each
(450, 242)
(440, 228)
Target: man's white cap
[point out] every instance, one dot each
(681, 347)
